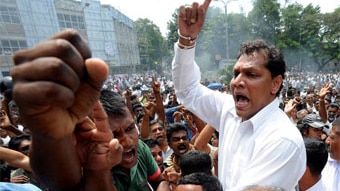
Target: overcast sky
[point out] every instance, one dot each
(160, 11)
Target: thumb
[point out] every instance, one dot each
(97, 71)
(115, 153)
(89, 90)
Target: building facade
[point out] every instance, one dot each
(110, 34)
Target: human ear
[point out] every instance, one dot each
(276, 84)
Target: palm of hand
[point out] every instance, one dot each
(97, 150)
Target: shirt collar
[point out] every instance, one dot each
(258, 119)
(331, 160)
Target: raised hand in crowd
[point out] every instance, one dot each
(57, 84)
(322, 107)
(149, 108)
(156, 87)
(127, 95)
(290, 106)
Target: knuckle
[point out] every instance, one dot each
(62, 44)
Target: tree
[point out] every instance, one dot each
(290, 36)
(152, 46)
(265, 20)
(325, 47)
(320, 35)
(172, 35)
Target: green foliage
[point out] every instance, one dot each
(265, 19)
(309, 36)
(152, 46)
(305, 35)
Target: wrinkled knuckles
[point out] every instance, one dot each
(63, 45)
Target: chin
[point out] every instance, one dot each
(128, 165)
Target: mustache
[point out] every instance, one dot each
(181, 146)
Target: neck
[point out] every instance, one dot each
(124, 170)
(308, 181)
(164, 146)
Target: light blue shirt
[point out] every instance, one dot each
(6, 186)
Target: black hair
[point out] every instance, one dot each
(113, 103)
(154, 121)
(14, 143)
(5, 172)
(175, 127)
(317, 155)
(195, 161)
(333, 105)
(275, 64)
(133, 97)
(208, 182)
(217, 134)
(151, 142)
(136, 104)
(6, 86)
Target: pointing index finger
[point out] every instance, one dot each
(206, 4)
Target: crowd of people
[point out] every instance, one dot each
(66, 125)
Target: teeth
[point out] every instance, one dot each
(128, 150)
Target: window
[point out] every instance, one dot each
(71, 21)
(9, 15)
(8, 47)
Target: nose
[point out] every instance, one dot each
(159, 158)
(124, 139)
(238, 81)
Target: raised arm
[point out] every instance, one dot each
(56, 85)
(144, 129)
(322, 107)
(190, 22)
(128, 99)
(159, 103)
(15, 158)
(203, 139)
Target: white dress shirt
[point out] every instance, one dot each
(265, 150)
(331, 175)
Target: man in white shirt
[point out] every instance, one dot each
(331, 172)
(258, 143)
